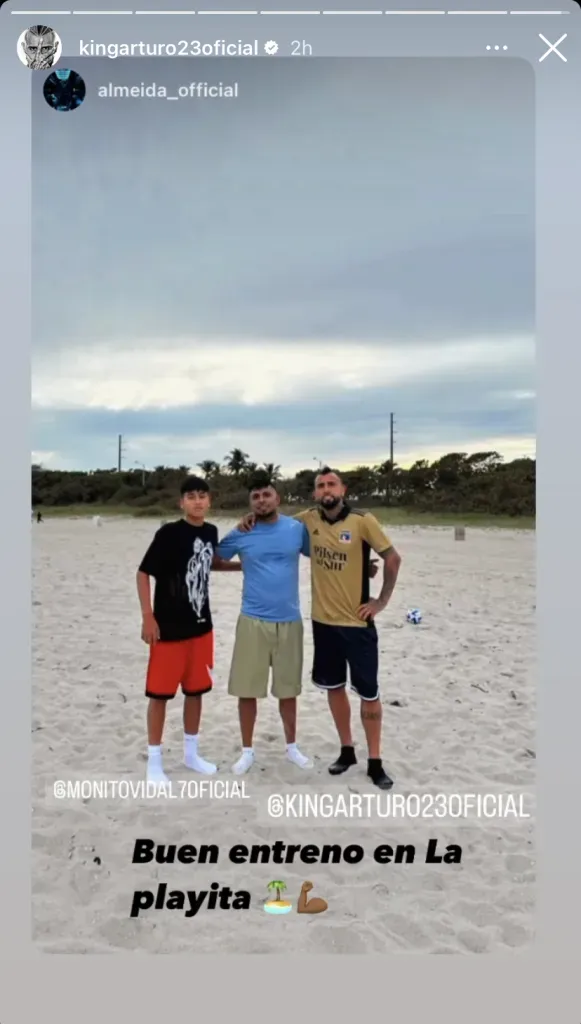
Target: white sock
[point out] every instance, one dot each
(193, 760)
(190, 744)
(293, 753)
(244, 762)
(155, 772)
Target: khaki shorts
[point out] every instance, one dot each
(260, 646)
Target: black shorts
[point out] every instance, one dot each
(340, 647)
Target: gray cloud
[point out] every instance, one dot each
(344, 426)
(376, 201)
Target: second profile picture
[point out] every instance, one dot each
(39, 47)
(64, 89)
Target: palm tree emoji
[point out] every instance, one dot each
(279, 887)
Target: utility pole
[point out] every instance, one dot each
(388, 481)
(143, 471)
(119, 452)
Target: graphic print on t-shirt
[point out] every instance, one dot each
(198, 575)
(180, 558)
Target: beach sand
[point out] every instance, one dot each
(463, 722)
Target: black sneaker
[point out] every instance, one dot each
(345, 760)
(378, 775)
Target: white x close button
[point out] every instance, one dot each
(553, 48)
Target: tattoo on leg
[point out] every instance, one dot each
(373, 716)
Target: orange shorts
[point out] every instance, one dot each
(188, 663)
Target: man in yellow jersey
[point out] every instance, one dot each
(343, 613)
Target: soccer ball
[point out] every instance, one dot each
(415, 616)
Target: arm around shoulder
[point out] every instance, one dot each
(303, 515)
(225, 565)
(228, 547)
(224, 551)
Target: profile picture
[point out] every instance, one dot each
(64, 89)
(39, 47)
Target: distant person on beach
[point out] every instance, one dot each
(269, 632)
(178, 628)
(343, 613)
(39, 517)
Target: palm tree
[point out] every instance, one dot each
(279, 887)
(271, 470)
(236, 461)
(209, 467)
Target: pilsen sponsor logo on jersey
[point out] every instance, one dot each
(334, 560)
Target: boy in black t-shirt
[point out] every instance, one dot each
(179, 627)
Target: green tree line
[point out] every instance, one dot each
(479, 483)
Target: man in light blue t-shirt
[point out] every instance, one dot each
(269, 632)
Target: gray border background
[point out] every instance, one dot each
(411, 988)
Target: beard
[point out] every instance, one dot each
(329, 502)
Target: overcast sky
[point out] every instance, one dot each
(281, 271)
